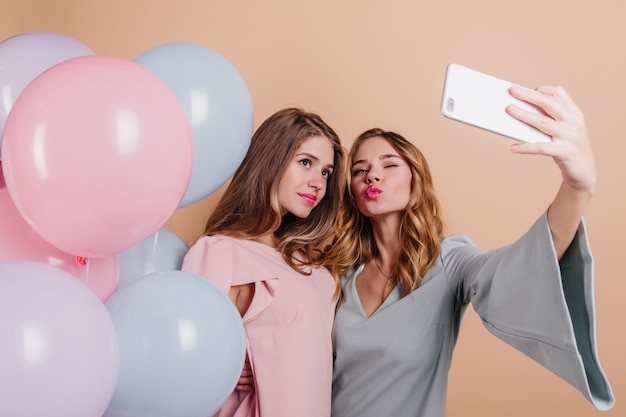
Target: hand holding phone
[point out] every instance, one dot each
(480, 100)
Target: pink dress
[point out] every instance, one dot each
(288, 327)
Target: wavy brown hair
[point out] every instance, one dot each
(421, 230)
(250, 208)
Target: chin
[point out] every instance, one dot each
(301, 214)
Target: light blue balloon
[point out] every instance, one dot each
(163, 251)
(218, 106)
(181, 344)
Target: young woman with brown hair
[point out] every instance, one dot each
(263, 245)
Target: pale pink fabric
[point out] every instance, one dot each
(288, 326)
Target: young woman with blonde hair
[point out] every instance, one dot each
(406, 286)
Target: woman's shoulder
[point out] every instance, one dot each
(218, 240)
(458, 248)
(234, 243)
(454, 242)
(222, 248)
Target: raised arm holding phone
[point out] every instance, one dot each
(406, 285)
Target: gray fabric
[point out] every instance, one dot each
(396, 362)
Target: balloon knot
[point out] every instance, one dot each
(81, 260)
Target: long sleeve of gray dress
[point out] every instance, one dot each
(396, 361)
(546, 311)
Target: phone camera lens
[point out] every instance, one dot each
(450, 105)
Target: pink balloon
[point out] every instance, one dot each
(26, 55)
(18, 241)
(59, 354)
(97, 154)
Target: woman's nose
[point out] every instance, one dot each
(317, 182)
(372, 177)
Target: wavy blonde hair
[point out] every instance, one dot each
(421, 230)
(250, 208)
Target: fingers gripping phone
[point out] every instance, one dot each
(480, 100)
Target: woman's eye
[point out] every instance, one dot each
(391, 166)
(359, 171)
(326, 173)
(306, 162)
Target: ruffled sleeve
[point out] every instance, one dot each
(538, 305)
(229, 262)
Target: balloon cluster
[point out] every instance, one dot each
(96, 154)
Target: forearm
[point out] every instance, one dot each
(565, 214)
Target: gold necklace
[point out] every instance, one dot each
(381, 271)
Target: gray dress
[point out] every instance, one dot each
(396, 362)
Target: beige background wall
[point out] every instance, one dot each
(364, 63)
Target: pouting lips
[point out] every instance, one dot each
(371, 192)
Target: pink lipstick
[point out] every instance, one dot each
(372, 192)
(309, 198)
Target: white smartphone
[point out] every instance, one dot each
(480, 100)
